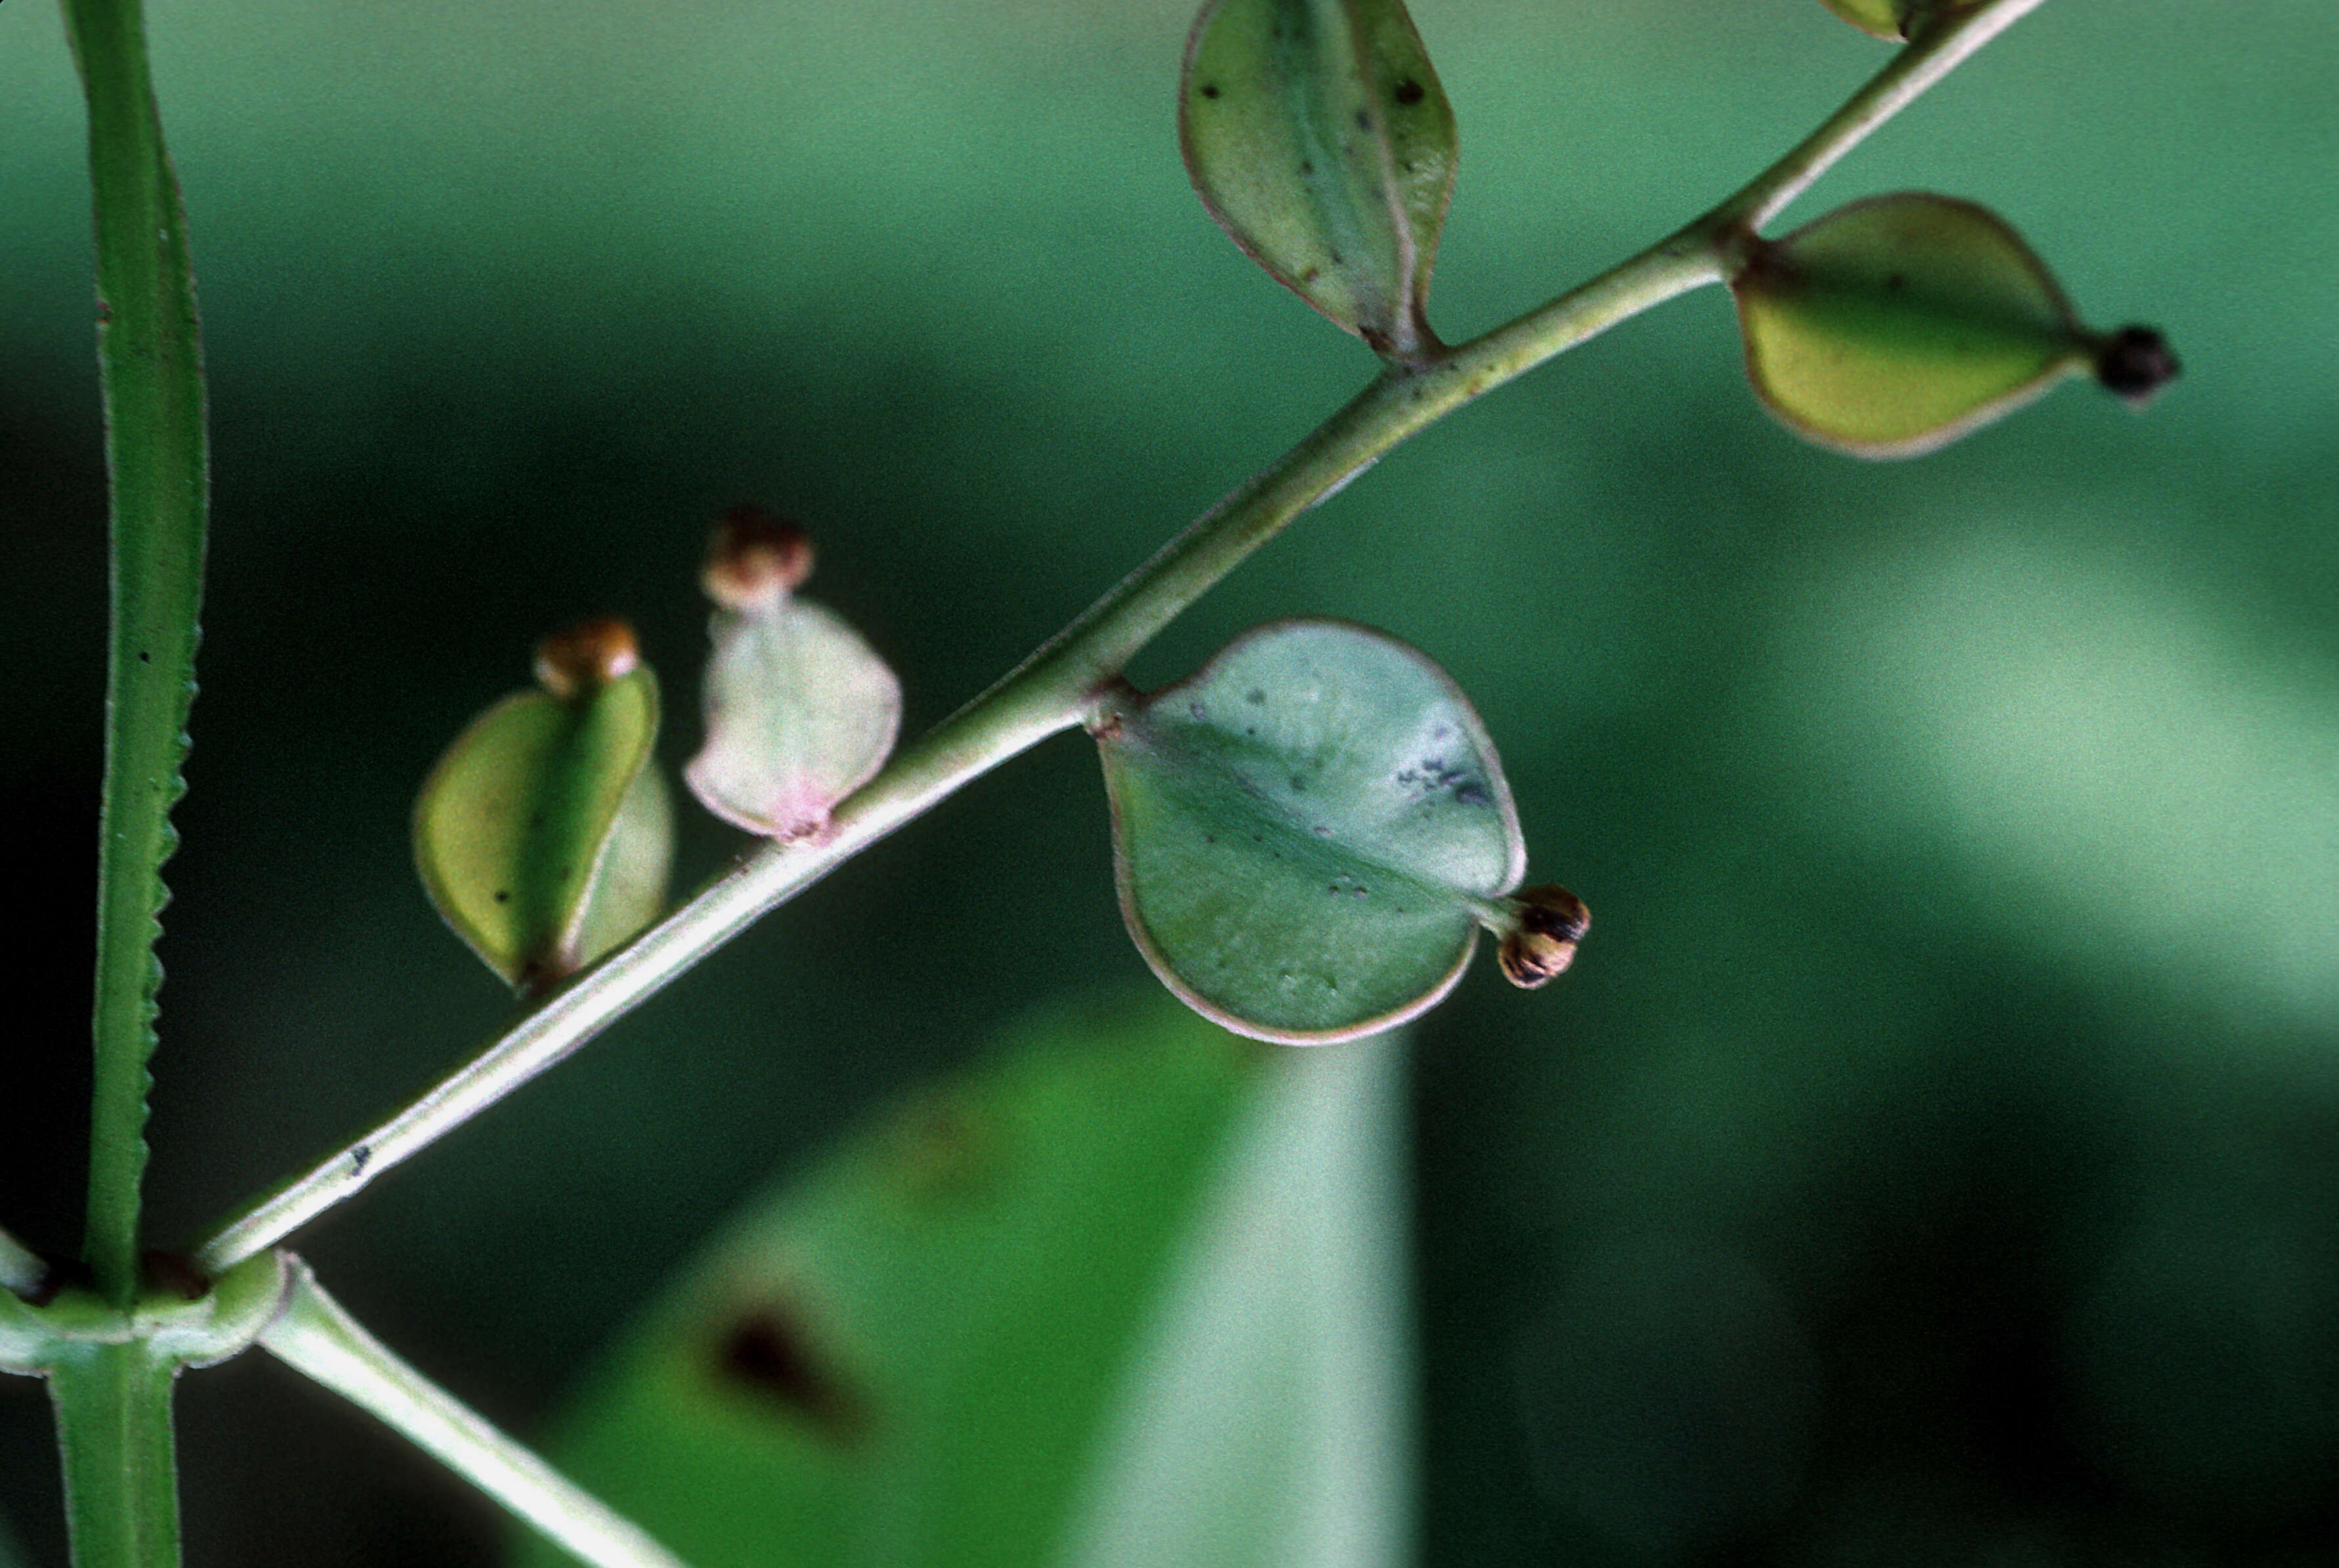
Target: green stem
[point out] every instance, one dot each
(22, 1271)
(150, 352)
(113, 1429)
(1940, 47)
(315, 1336)
(1052, 690)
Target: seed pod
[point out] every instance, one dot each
(543, 834)
(800, 710)
(1318, 137)
(1893, 326)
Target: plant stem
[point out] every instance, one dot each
(150, 350)
(1944, 44)
(114, 1428)
(315, 1336)
(1053, 689)
(21, 1271)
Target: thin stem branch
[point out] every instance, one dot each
(150, 350)
(315, 1336)
(1053, 689)
(1940, 47)
(21, 1271)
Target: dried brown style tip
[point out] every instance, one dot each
(756, 560)
(2134, 363)
(1551, 922)
(587, 657)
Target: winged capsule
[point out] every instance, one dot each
(1318, 137)
(800, 709)
(543, 834)
(1895, 325)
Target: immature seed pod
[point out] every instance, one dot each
(800, 710)
(1537, 949)
(1895, 325)
(544, 835)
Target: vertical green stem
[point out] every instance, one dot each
(114, 1427)
(151, 354)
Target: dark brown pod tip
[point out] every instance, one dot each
(1551, 920)
(756, 558)
(2135, 363)
(587, 657)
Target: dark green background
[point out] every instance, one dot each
(1934, 1157)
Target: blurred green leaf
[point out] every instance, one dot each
(1895, 325)
(536, 836)
(1318, 137)
(1307, 832)
(1035, 1315)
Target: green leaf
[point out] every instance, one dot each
(1318, 137)
(150, 350)
(1308, 834)
(537, 835)
(1012, 1324)
(1895, 325)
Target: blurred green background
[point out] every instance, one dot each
(1934, 1157)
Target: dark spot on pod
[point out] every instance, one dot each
(1307, 167)
(503, 895)
(1410, 91)
(1320, 831)
(1209, 90)
(768, 1353)
(1199, 711)
(1896, 282)
(2135, 363)
(144, 658)
(1472, 794)
(360, 1157)
(1254, 696)
(1364, 121)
